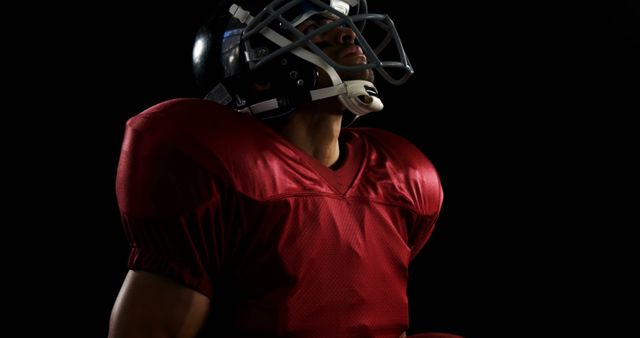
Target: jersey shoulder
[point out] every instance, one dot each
(177, 117)
(230, 146)
(166, 165)
(406, 166)
(204, 130)
(387, 141)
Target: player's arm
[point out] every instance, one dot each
(150, 305)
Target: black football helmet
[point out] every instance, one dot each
(254, 59)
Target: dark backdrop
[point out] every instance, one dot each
(521, 107)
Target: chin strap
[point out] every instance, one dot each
(359, 96)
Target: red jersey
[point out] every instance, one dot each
(282, 245)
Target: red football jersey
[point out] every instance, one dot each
(282, 245)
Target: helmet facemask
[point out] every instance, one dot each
(279, 64)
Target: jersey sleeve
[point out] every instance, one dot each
(170, 209)
(420, 230)
(425, 188)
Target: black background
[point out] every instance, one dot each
(523, 108)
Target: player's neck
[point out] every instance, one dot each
(315, 129)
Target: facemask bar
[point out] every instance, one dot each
(274, 13)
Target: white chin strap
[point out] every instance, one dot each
(358, 96)
(355, 95)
